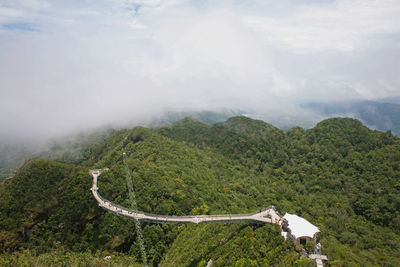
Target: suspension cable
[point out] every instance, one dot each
(134, 208)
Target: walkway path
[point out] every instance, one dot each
(266, 215)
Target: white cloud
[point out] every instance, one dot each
(341, 25)
(96, 62)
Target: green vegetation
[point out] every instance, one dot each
(340, 176)
(62, 257)
(231, 245)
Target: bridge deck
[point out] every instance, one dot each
(267, 215)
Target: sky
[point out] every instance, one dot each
(78, 64)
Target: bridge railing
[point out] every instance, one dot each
(195, 216)
(112, 203)
(183, 217)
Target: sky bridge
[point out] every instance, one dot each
(266, 215)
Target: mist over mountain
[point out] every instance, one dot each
(75, 66)
(70, 148)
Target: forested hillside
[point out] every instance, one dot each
(339, 175)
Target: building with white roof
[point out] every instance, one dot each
(299, 229)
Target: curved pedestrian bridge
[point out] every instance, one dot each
(266, 215)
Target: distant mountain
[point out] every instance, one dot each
(383, 116)
(205, 116)
(392, 100)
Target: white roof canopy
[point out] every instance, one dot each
(300, 226)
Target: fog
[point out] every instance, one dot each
(68, 66)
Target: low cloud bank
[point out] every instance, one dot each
(72, 66)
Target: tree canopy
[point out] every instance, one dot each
(339, 175)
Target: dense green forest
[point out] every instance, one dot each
(339, 175)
